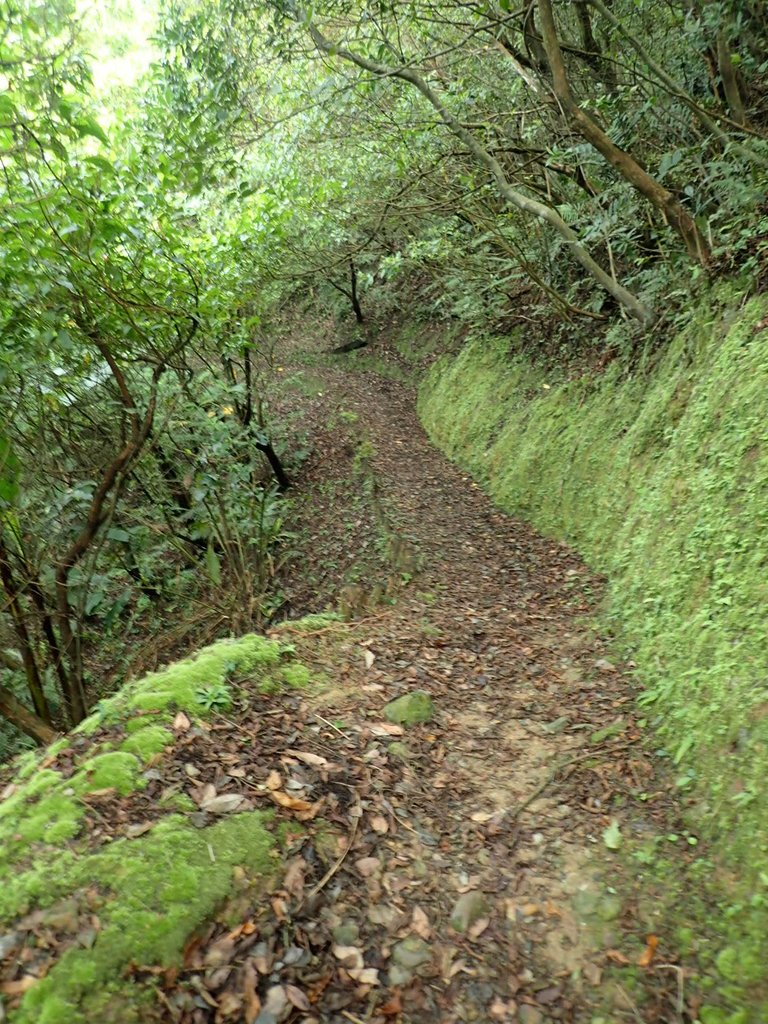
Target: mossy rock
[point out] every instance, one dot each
(145, 743)
(410, 709)
(117, 769)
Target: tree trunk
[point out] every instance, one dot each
(113, 477)
(265, 446)
(34, 682)
(593, 54)
(664, 201)
(353, 292)
(46, 622)
(17, 714)
(729, 80)
(675, 89)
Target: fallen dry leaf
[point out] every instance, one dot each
(230, 1004)
(261, 958)
(617, 957)
(246, 928)
(251, 1001)
(386, 729)
(365, 975)
(134, 831)
(350, 957)
(207, 792)
(498, 1009)
(379, 824)
(191, 953)
(314, 760)
(18, 988)
(592, 973)
(646, 959)
(181, 723)
(393, 1006)
(279, 908)
(478, 927)
(220, 952)
(297, 998)
(368, 866)
(292, 803)
(459, 967)
(274, 780)
(420, 924)
(293, 882)
(312, 812)
(224, 804)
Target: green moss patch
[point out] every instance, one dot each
(411, 708)
(156, 892)
(179, 685)
(116, 770)
(307, 624)
(147, 742)
(151, 892)
(296, 675)
(659, 477)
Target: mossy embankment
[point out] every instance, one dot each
(659, 477)
(95, 883)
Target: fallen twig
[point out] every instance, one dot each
(680, 1007)
(547, 783)
(339, 860)
(331, 725)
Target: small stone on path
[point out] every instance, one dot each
(410, 709)
(529, 1015)
(468, 909)
(411, 953)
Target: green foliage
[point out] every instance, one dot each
(216, 697)
(122, 317)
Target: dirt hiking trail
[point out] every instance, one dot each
(479, 882)
(416, 822)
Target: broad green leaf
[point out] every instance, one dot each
(213, 565)
(612, 836)
(115, 533)
(90, 126)
(9, 473)
(7, 107)
(101, 163)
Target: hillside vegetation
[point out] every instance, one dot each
(659, 476)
